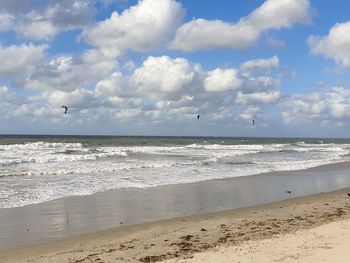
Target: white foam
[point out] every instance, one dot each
(41, 171)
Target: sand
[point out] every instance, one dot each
(65, 218)
(296, 230)
(326, 243)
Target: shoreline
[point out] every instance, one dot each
(183, 237)
(74, 216)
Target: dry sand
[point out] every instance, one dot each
(282, 232)
(326, 243)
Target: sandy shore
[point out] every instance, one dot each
(326, 243)
(65, 218)
(284, 231)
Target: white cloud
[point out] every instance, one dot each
(220, 80)
(125, 103)
(76, 99)
(272, 62)
(13, 6)
(328, 107)
(250, 112)
(92, 56)
(43, 19)
(112, 85)
(258, 97)
(163, 77)
(161, 89)
(335, 45)
(37, 30)
(57, 16)
(275, 43)
(16, 59)
(68, 73)
(4, 93)
(128, 114)
(272, 14)
(144, 26)
(6, 21)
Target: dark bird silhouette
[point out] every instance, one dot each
(253, 122)
(65, 109)
(288, 192)
(349, 194)
(198, 117)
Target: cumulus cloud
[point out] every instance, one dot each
(145, 26)
(272, 14)
(159, 90)
(4, 93)
(163, 77)
(16, 59)
(13, 6)
(258, 97)
(10, 103)
(260, 64)
(92, 56)
(56, 16)
(78, 98)
(112, 85)
(43, 19)
(335, 45)
(6, 21)
(220, 80)
(329, 106)
(275, 43)
(67, 73)
(250, 112)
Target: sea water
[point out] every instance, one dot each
(35, 169)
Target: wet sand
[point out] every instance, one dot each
(68, 217)
(117, 219)
(183, 239)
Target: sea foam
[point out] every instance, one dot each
(34, 172)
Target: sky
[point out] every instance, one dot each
(149, 67)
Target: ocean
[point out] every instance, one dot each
(36, 169)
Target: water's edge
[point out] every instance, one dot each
(70, 216)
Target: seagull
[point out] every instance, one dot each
(198, 117)
(65, 109)
(253, 122)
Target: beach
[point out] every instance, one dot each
(220, 217)
(120, 199)
(326, 243)
(174, 131)
(260, 231)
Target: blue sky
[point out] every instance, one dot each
(149, 67)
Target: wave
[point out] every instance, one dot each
(41, 145)
(54, 170)
(43, 152)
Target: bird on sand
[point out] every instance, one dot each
(65, 109)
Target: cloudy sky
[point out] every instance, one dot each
(148, 67)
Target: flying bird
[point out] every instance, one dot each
(198, 117)
(253, 122)
(65, 109)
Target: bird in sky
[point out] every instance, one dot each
(253, 122)
(65, 109)
(198, 117)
